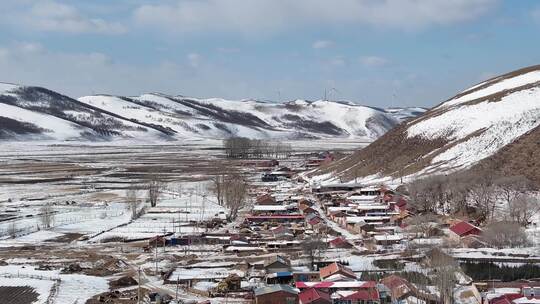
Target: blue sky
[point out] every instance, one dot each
(379, 53)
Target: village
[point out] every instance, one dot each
(291, 240)
(342, 243)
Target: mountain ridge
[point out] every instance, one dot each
(37, 113)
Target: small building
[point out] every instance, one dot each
(304, 203)
(269, 178)
(309, 276)
(356, 297)
(275, 218)
(388, 239)
(314, 296)
(340, 242)
(266, 199)
(336, 268)
(276, 294)
(282, 277)
(271, 209)
(281, 231)
(309, 210)
(277, 263)
(463, 228)
(335, 286)
(398, 287)
(313, 219)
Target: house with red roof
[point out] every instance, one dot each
(463, 228)
(314, 296)
(340, 242)
(336, 269)
(398, 286)
(266, 199)
(356, 297)
(506, 299)
(528, 295)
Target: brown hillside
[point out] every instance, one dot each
(388, 155)
(395, 154)
(522, 157)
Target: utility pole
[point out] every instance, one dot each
(177, 280)
(139, 288)
(156, 258)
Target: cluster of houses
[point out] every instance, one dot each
(333, 283)
(376, 214)
(513, 293)
(264, 259)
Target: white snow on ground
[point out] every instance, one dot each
(204, 273)
(62, 129)
(173, 214)
(73, 288)
(76, 287)
(39, 236)
(505, 84)
(6, 87)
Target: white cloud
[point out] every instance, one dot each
(51, 16)
(535, 14)
(322, 44)
(228, 50)
(194, 59)
(248, 16)
(338, 61)
(373, 61)
(77, 74)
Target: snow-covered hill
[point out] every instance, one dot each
(39, 113)
(456, 134)
(403, 114)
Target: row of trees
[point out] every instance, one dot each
(242, 147)
(153, 187)
(479, 193)
(231, 190)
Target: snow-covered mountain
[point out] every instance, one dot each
(457, 134)
(39, 113)
(403, 114)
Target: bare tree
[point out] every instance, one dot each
(12, 230)
(313, 248)
(132, 202)
(154, 186)
(457, 191)
(505, 234)
(482, 193)
(509, 187)
(423, 224)
(235, 194)
(242, 147)
(218, 185)
(46, 215)
(444, 267)
(424, 194)
(522, 208)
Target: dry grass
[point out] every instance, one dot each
(522, 157)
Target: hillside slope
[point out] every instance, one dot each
(457, 134)
(521, 157)
(44, 114)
